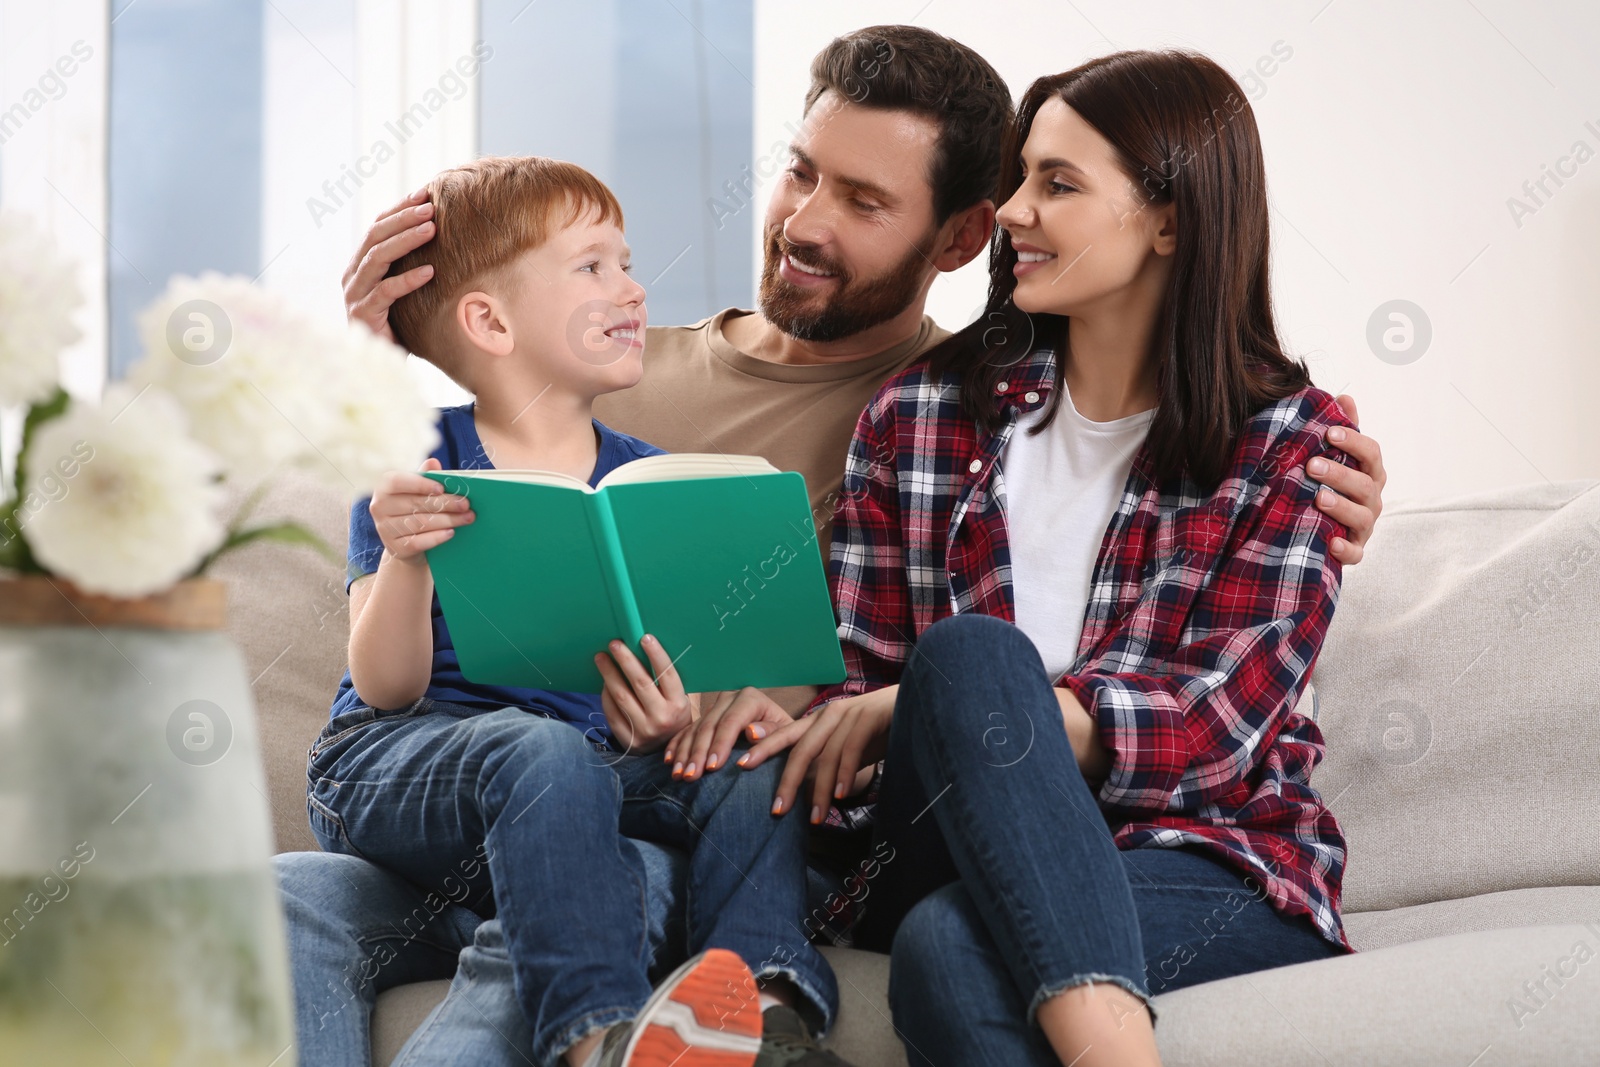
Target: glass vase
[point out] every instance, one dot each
(139, 919)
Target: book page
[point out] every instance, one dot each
(553, 478)
(680, 465)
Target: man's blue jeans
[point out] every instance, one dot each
(529, 809)
(1004, 887)
(356, 929)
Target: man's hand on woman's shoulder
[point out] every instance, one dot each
(1356, 496)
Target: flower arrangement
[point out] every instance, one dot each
(124, 497)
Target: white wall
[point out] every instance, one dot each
(1395, 135)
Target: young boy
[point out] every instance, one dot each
(528, 796)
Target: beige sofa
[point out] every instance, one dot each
(1459, 693)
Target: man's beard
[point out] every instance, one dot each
(853, 306)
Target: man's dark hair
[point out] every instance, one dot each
(908, 68)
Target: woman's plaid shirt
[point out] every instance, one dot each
(1205, 617)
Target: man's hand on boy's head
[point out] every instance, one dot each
(413, 514)
(705, 744)
(643, 713)
(368, 291)
(1356, 497)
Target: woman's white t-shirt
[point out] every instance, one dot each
(1061, 489)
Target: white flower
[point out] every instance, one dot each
(241, 363)
(373, 418)
(140, 508)
(39, 294)
(265, 389)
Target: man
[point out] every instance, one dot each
(890, 183)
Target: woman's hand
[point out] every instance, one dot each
(1083, 733)
(833, 743)
(643, 713)
(368, 292)
(706, 743)
(1356, 496)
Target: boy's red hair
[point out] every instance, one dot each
(486, 214)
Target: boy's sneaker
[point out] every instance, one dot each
(705, 1014)
(786, 1041)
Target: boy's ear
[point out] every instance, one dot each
(482, 319)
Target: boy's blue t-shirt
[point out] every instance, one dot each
(461, 449)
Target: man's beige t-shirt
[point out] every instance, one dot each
(701, 394)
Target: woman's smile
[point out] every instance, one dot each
(1029, 258)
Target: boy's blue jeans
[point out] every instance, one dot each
(530, 810)
(1005, 886)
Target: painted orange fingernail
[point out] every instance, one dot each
(816, 814)
(711, 762)
(838, 791)
(742, 759)
(777, 806)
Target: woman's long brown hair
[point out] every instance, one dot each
(1184, 133)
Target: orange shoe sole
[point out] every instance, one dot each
(705, 1015)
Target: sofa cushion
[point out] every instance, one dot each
(1468, 999)
(288, 613)
(1460, 677)
(397, 1013)
(1543, 906)
(863, 1033)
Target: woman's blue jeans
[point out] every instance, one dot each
(1004, 887)
(529, 809)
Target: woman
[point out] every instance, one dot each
(1080, 570)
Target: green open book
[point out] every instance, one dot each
(714, 555)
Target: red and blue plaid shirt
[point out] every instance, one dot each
(1205, 617)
